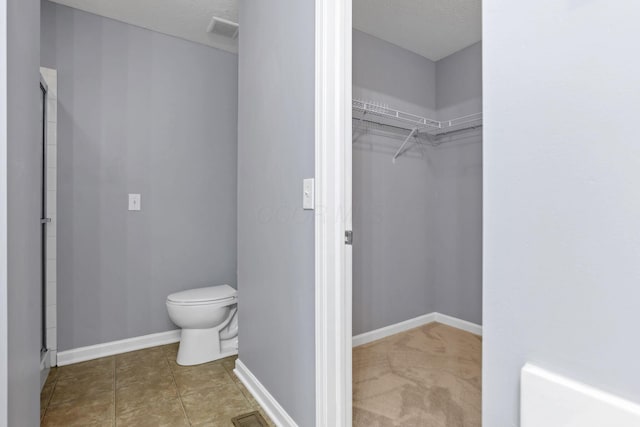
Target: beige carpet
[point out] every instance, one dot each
(428, 377)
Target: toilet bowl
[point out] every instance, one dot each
(209, 323)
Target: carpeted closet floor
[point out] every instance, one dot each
(428, 376)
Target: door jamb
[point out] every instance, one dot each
(333, 212)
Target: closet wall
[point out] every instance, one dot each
(458, 171)
(417, 222)
(393, 204)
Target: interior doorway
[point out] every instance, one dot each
(417, 212)
(399, 175)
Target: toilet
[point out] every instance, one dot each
(209, 323)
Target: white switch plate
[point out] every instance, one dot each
(307, 194)
(134, 202)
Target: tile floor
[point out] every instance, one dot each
(145, 388)
(428, 376)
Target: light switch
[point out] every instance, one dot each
(307, 193)
(134, 202)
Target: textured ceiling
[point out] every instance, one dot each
(431, 28)
(187, 19)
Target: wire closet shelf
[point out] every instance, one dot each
(386, 116)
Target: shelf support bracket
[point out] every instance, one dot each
(360, 120)
(400, 150)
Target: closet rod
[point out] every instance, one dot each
(458, 130)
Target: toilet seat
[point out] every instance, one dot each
(210, 295)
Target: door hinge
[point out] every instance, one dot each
(45, 220)
(348, 237)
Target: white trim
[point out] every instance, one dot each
(333, 212)
(97, 351)
(49, 77)
(459, 323)
(551, 400)
(416, 322)
(377, 334)
(270, 405)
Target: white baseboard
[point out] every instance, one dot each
(416, 322)
(459, 323)
(396, 328)
(97, 351)
(270, 405)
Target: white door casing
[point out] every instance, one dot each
(333, 213)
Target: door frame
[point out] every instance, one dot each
(43, 226)
(333, 212)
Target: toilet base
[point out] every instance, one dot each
(204, 345)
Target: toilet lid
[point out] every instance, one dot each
(201, 295)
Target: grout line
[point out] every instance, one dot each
(46, 405)
(175, 384)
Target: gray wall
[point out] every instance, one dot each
(24, 157)
(418, 222)
(275, 236)
(561, 211)
(145, 113)
(458, 171)
(393, 204)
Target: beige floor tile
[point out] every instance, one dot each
(214, 424)
(90, 411)
(70, 390)
(252, 401)
(53, 375)
(145, 388)
(144, 392)
(193, 378)
(45, 396)
(170, 351)
(141, 357)
(216, 404)
(82, 370)
(158, 413)
(135, 374)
